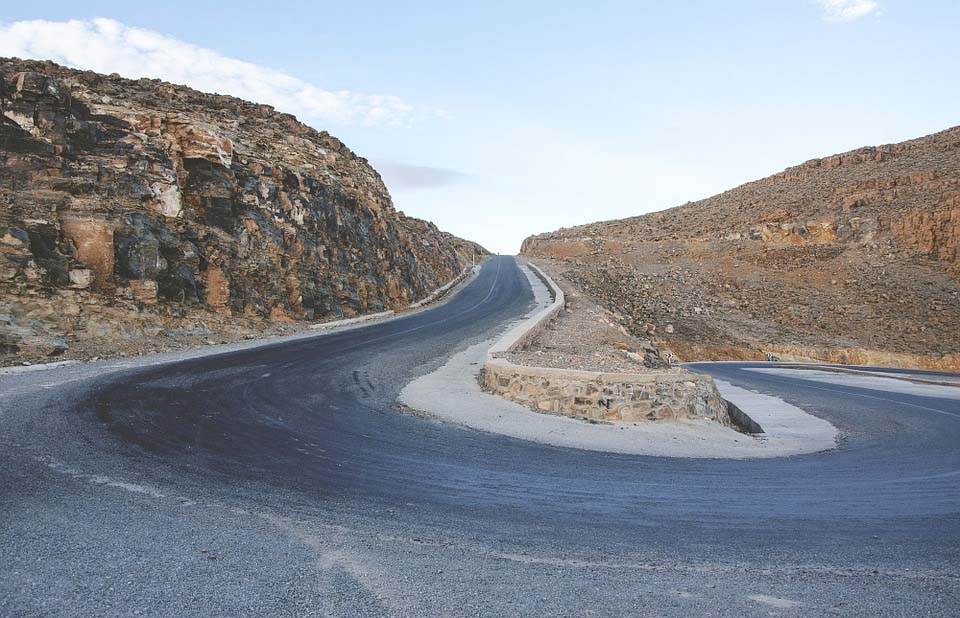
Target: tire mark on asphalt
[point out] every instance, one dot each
(299, 528)
(802, 382)
(887, 399)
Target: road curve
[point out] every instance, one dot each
(282, 480)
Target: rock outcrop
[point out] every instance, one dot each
(854, 257)
(130, 208)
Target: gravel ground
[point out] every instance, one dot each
(583, 336)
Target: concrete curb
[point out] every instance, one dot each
(17, 369)
(452, 394)
(741, 419)
(439, 292)
(533, 325)
(348, 321)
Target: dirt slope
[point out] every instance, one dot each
(851, 258)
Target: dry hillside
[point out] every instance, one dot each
(851, 258)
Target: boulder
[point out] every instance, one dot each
(178, 285)
(80, 278)
(137, 253)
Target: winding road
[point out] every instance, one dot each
(284, 480)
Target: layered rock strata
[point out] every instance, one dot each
(130, 209)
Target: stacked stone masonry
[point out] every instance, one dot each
(596, 396)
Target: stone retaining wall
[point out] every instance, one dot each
(627, 397)
(607, 396)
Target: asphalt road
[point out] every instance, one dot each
(281, 480)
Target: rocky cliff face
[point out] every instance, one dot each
(136, 208)
(850, 258)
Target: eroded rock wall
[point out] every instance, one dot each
(140, 203)
(901, 197)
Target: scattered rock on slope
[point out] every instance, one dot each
(852, 258)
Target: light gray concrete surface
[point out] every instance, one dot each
(349, 321)
(6, 371)
(452, 394)
(941, 378)
(533, 323)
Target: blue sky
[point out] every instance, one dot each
(497, 120)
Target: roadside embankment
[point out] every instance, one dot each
(179, 345)
(426, 301)
(595, 380)
(453, 394)
(697, 352)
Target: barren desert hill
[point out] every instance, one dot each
(850, 258)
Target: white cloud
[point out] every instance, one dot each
(108, 46)
(847, 10)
